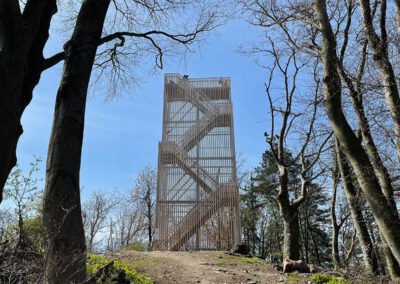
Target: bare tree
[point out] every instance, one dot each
(307, 27)
(144, 195)
(129, 224)
(308, 158)
(95, 213)
(387, 220)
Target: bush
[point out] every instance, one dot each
(320, 279)
(94, 262)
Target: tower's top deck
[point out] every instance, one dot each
(213, 88)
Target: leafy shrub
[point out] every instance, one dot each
(320, 279)
(94, 262)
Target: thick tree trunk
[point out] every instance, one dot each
(387, 220)
(289, 214)
(370, 259)
(22, 40)
(291, 237)
(62, 219)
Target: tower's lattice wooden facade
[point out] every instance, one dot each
(197, 193)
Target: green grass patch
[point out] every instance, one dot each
(321, 279)
(252, 260)
(94, 262)
(224, 261)
(293, 277)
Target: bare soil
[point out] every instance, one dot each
(206, 268)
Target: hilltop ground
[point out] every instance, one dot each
(206, 268)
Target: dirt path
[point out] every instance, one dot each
(205, 268)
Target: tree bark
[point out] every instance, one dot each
(387, 220)
(22, 40)
(291, 233)
(372, 151)
(335, 226)
(150, 226)
(370, 259)
(392, 265)
(62, 219)
(379, 48)
(289, 214)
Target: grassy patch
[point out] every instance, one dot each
(252, 260)
(321, 279)
(293, 277)
(146, 262)
(94, 262)
(234, 260)
(224, 261)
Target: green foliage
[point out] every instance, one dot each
(137, 246)
(320, 279)
(24, 196)
(94, 262)
(34, 232)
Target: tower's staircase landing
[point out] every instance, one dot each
(217, 195)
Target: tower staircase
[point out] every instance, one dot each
(200, 214)
(171, 152)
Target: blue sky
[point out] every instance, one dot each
(121, 136)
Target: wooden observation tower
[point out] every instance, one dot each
(197, 191)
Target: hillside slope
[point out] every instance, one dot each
(205, 267)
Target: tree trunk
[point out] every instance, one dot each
(289, 214)
(315, 248)
(335, 226)
(372, 151)
(392, 265)
(397, 3)
(23, 37)
(335, 248)
(291, 240)
(150, 227)
(387, 220)
(357, 215)
(379, 48)
(62, 219)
